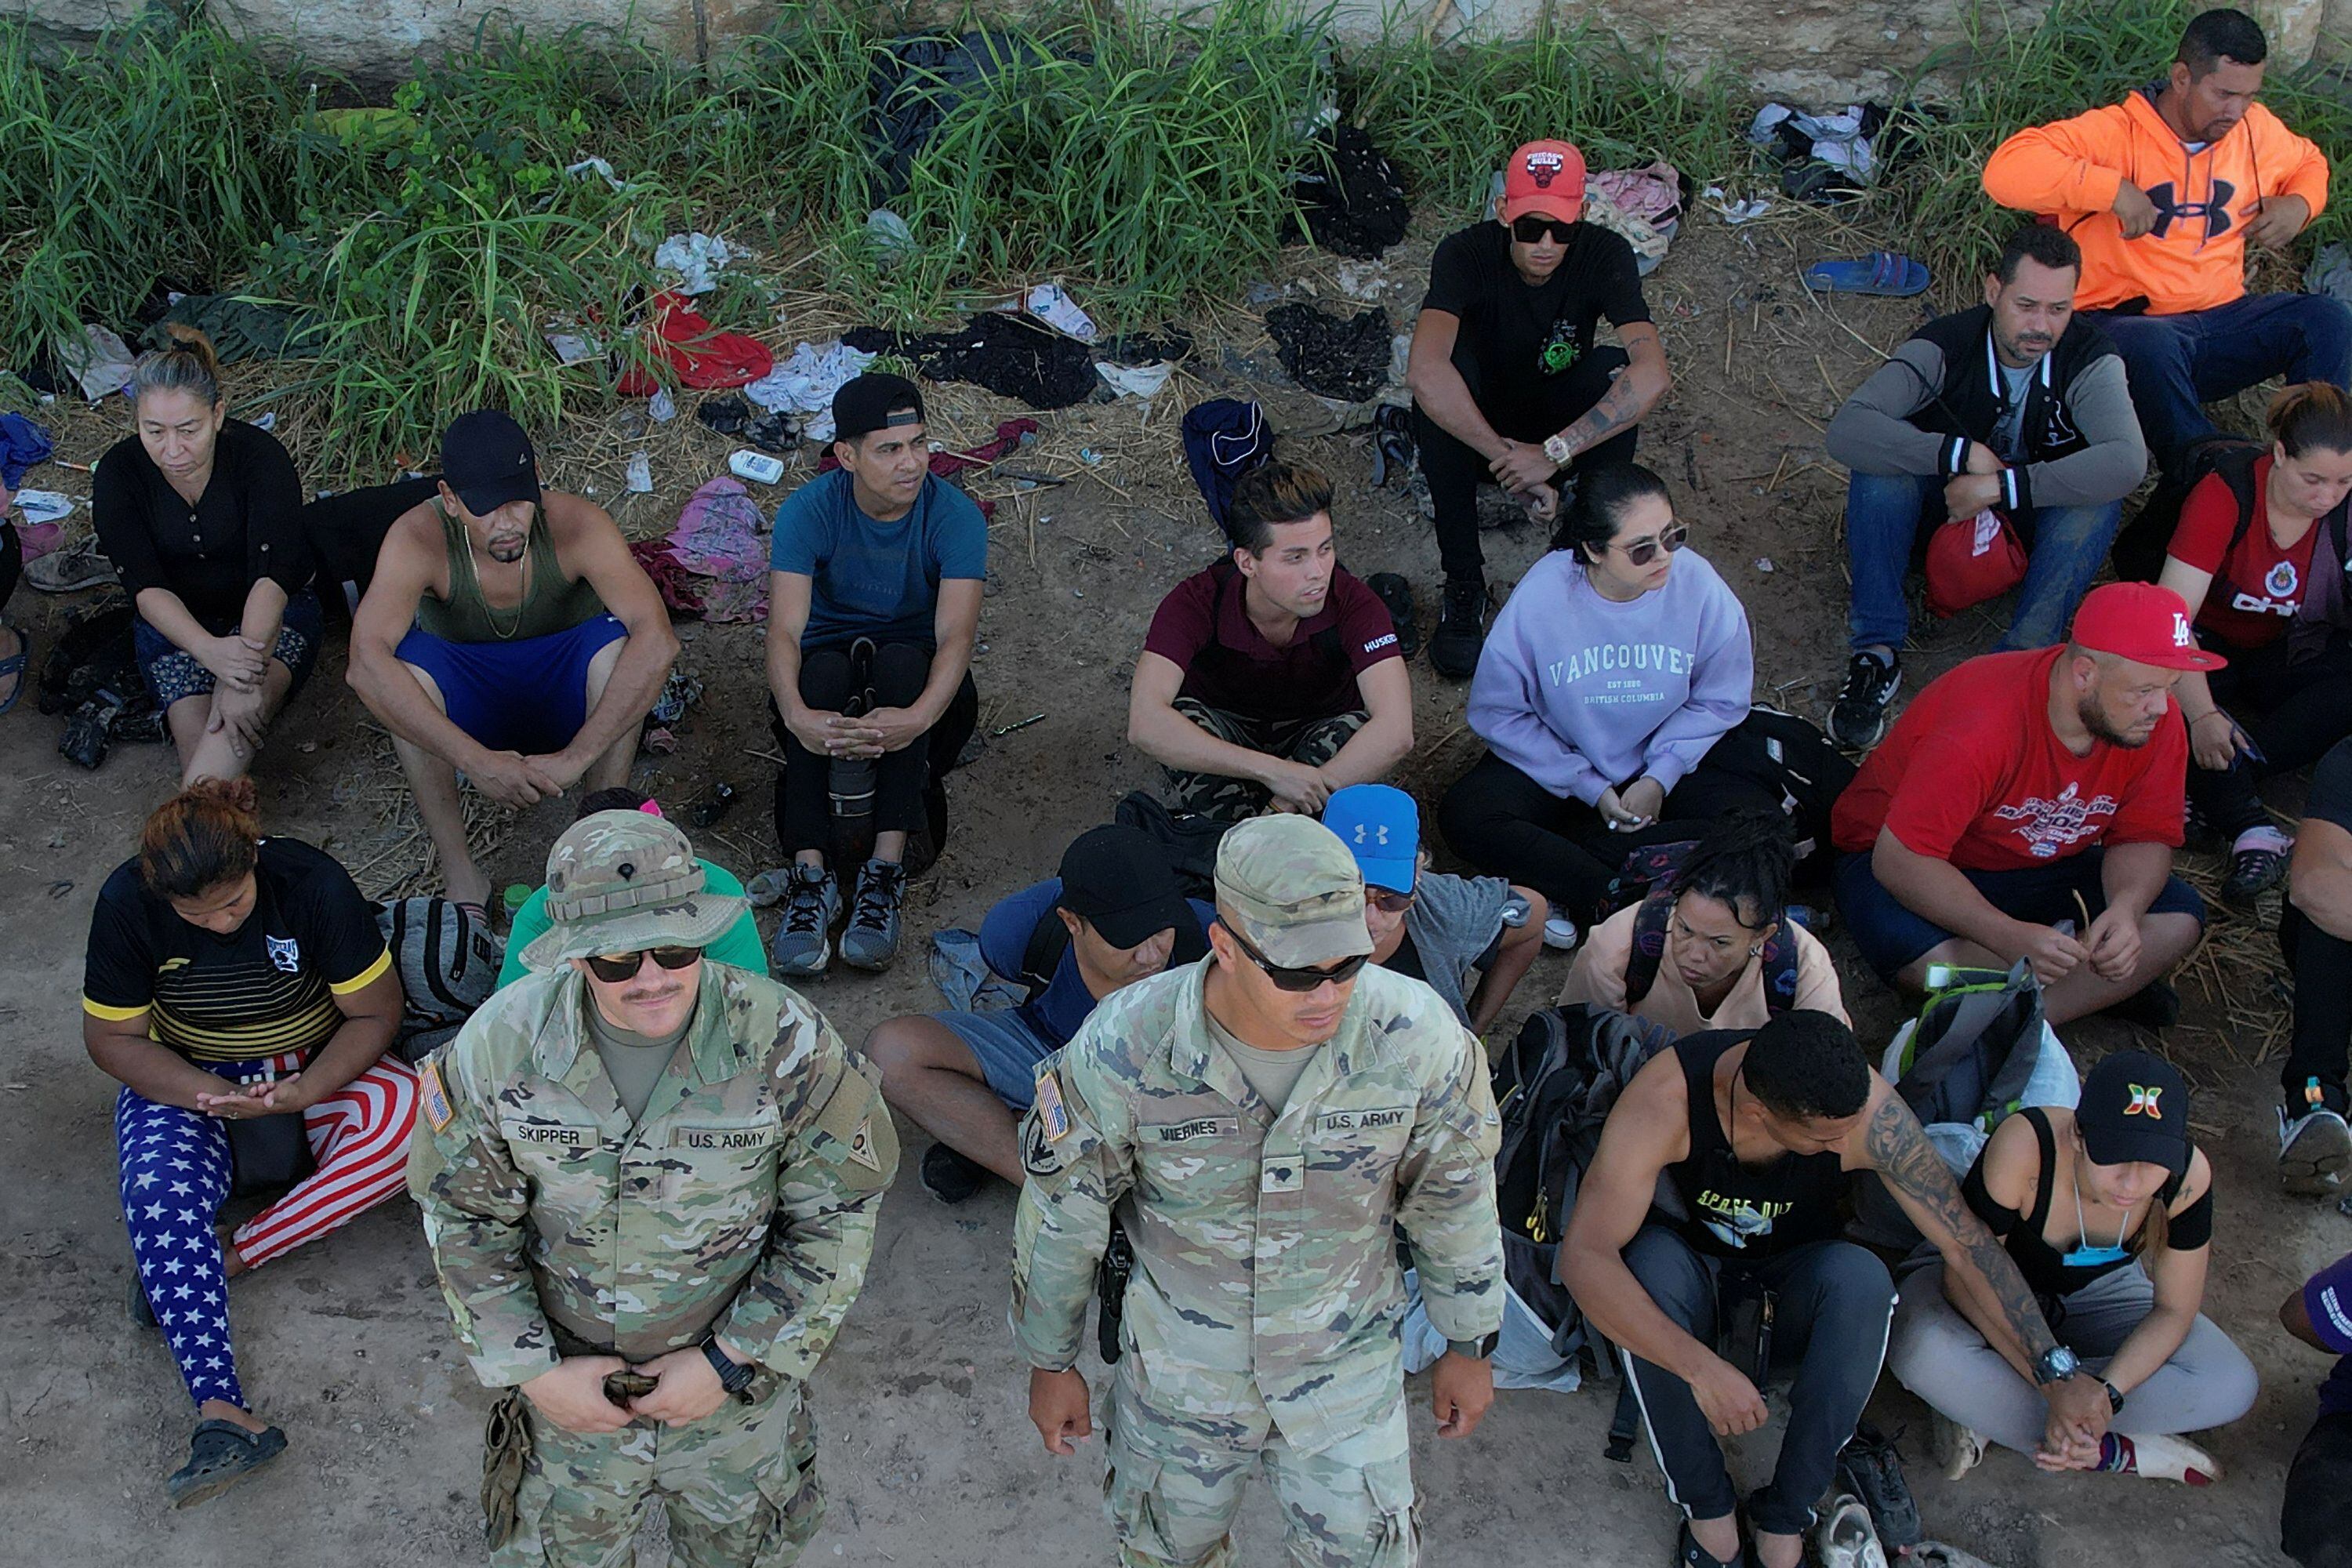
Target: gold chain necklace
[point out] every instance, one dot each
(521, 604)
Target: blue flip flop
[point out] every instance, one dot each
(1881, 273)
(14, 665)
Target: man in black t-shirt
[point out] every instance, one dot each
(2315, 929)
(1506, 380)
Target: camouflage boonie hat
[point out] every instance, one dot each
(1291, 889)
(620, 882)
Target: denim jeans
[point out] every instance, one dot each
(2178, 363)
(2066, 547)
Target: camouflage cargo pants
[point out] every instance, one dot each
(1313, 742)
(1174, 1484)
(740, 1487)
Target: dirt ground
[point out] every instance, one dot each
(927, 1452)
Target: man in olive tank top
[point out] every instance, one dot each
(507, 634)
(1719, 1176)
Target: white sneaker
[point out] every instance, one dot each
(2167, 1458)
(1561, 934)
(2315, 1150)
(1844, 1538)
(1956, 1448)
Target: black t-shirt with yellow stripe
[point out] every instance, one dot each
(268, 987)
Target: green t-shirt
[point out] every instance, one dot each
(739, 944)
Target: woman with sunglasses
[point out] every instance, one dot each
(1620, 659)
(232, 976)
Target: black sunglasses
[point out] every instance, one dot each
(1532, 229)
(1641, 552)
(612, 968)
(1387, 901)
(1302, 980)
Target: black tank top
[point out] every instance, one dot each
(2047, 1273)
(1738, 1210)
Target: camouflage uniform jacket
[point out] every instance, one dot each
(1265, 1270)
(742, 1201)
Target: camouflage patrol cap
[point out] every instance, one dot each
(618, 881)
(1291, 889)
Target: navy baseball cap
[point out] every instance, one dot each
(488, 461)
(1381, 828)
(874, 401)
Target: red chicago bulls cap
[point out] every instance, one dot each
(2135, 1106)
(2143, 622)
(1545, 177)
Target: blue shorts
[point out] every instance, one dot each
(173, 675)
(528, 697)
(1892, 938)
(1008, 1048)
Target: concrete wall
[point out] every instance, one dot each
(1809, 49)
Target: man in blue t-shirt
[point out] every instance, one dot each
(873, 607)
(1114, 916)
(2315, 1524)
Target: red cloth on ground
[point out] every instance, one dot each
(671, 579)
(702, 355)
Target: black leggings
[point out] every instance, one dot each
(2322, 966)
(1454, 471)
(900, 671)
(1508, 825)
(2293, 712)
(11, 563)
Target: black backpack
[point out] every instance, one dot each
(1190, 838)
(1554, 1086)
(1650, 920)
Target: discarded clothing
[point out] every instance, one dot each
(917, 82)
(1225, 439)
(670, 580)
(718, 542)
(1142, 348)
(805, 382)
(22, 444)
(97, 360)
(2331, 272)
(698, 258)
(1144, 381)
(1347, 360)
(1834, 158)
(702, 355)
(242, 329)
(1351, 196)
(1643, 206)
(1050, 303)
(1010, 355)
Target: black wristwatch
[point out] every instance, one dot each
(734, 1376)
(2055, 1364)
(2114, 1398)
(1477, 1350)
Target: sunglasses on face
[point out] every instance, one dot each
(612, 968)
(1642, 551)
(1387, 902)
(1532, 229)
(1302, 980)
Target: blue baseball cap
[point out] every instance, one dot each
(1381, 828)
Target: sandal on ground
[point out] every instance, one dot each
(14, 665)
(1881, 273)
(1689, 1553)
(220, 1455)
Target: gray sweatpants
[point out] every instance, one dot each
(1938, 1355)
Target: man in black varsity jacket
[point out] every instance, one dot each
(2014, 406)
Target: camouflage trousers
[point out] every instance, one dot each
(1174, 1484)
(1313, 742)
(740, 1487)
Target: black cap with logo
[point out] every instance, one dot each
(488, 461)
(2135, 1107)
(1117, 880)
(874, 402)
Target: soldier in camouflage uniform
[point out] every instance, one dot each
(1261, 1123)
(709, 1241)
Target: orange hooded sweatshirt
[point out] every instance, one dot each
(2195, 258)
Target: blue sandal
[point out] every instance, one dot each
(220, 1455)
(14, 665)
(1881, 273)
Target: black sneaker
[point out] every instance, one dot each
(1397, 595)
(1871, 1469)
(2257, 864)
(1461, 629)
(2156, 1005)
(1858, 718)
(870, 940)
(949, 1176)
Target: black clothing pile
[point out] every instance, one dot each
(93, 676)
(1351, 196)
(1347, 360)
(918, 81)
(1008, 354)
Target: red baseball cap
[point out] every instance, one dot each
(1545, 177)
(2143, 623)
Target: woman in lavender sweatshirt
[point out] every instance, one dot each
(1619, 659)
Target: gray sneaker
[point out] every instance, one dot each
(870, 940)
(812, 903)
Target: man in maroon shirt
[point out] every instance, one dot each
(1273, 678)
(2026, 805)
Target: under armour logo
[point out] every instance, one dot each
(2216, 212)
(1544, 168)
(2181, 636)
(1381, 833)
(2143, 1102)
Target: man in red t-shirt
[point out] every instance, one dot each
(1273, 678)
(2026, 805)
